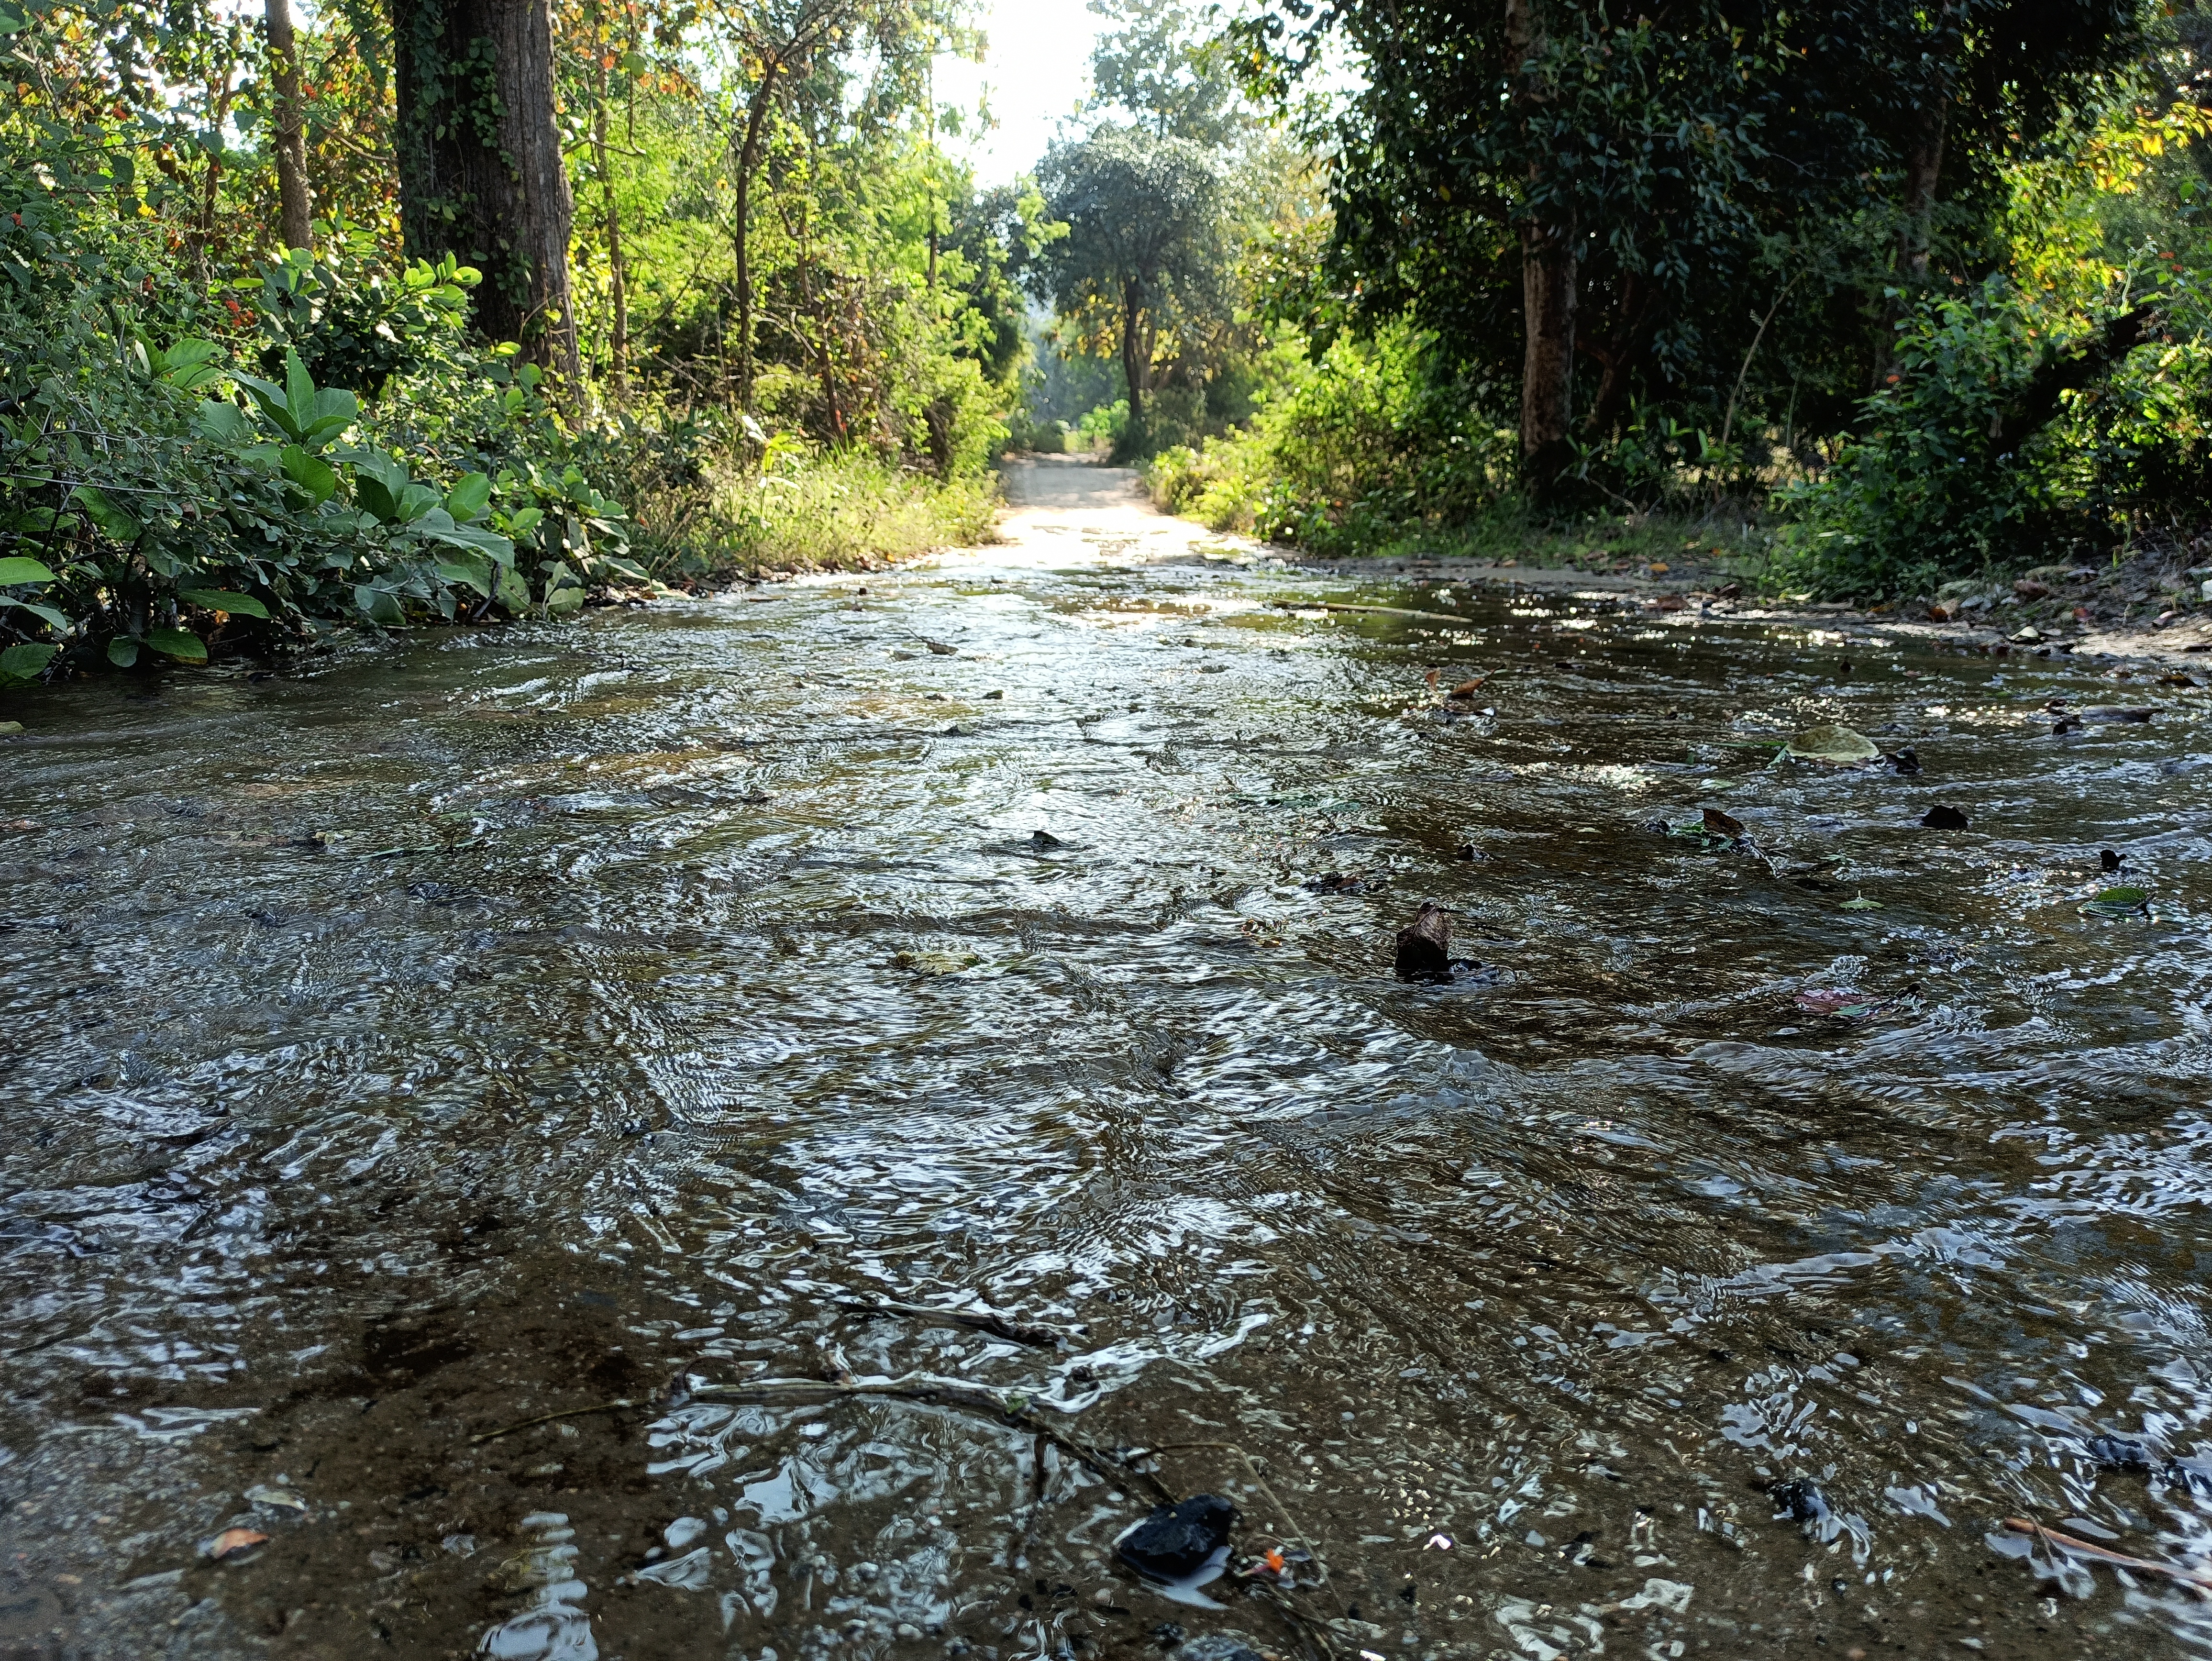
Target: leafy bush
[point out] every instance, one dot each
(1367, 447)
(1941, 483)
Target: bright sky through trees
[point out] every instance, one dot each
(1037, 71)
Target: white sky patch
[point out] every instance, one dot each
(1035, 74)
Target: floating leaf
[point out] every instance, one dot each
(1718, 824)
(1839, 745)
(2118, 901)
(231, 1540)
(1860, 902)
(178, 643)
(223, 599)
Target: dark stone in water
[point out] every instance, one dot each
(2110, 861)
(1175, 1541)
(1799, 1501)
(1425, 945)
(1041, 840)
(1905, 760)
(1940, 817)
(2118, 1453)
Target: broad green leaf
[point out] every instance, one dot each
(190, 364)
(417, 501)
(14, 572)
(299, 387)
(468, 497)
(105, 514)
(468, 573)
(19, 664)
(225, 422)
(223, 599)
(330, 413)
(271, 398)
(438, 525)
(44, 613)
(178, 643)
(526, 521)
(310, 473)
(511, 591)
(122, 653)
(379, 604)
(561, 602)
(13, 19)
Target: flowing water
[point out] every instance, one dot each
(496, 1024)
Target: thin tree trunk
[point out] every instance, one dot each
(1132, 366)
(1549, 282)
(294, 208)
(748, 160)
(480, 173)
(1923, 178)
(618, 277)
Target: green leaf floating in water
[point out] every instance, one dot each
(1834, 744)
(2118, 901)
(1860, 902)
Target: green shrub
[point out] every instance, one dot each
(1371, 446)
(1930, 490)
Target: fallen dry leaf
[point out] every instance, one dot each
(231, 1540)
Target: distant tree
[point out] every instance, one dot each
(1163, 67)
(1597, 196)
(1146, 243)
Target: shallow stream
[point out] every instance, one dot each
(502, 1024)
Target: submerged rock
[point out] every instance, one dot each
(1175, 1541)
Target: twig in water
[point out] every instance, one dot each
(551, 1418)
(1006, 1407)
(2051, 1538)
(981, 1320)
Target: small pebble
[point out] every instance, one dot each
(906, 1632)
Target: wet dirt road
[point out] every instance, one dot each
(518, 1023)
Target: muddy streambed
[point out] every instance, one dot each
(499, 1024)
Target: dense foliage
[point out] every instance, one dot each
(1914, 289)
(786, 328)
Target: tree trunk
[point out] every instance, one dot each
(1924, 177)
(1132, 364)
(480, 173)
(1618, 352)
(1549, 282)
(748, 160)
(1548, 289)
(294, 210)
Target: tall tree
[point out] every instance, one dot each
(1598, 195)
(480, 172)
(288, 129)
(1145, 239)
